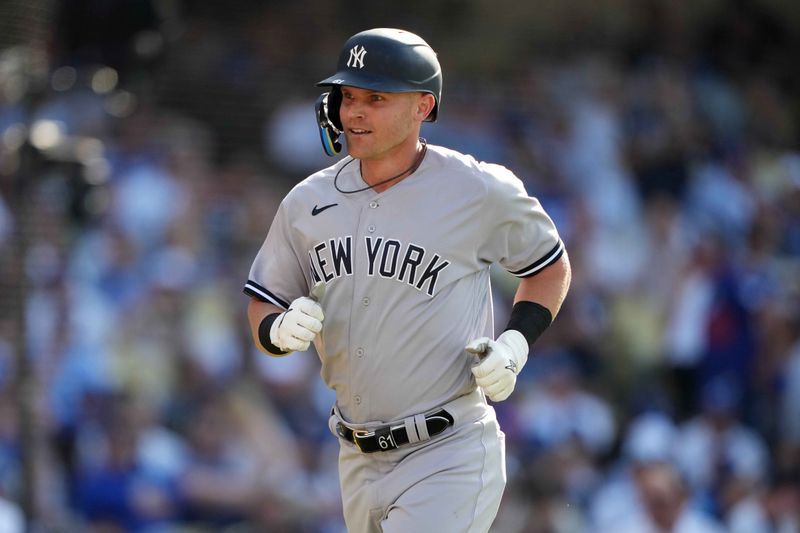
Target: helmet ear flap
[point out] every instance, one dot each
(330, 125)
(334, 104)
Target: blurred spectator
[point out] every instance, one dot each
(114, 489)
(710, 333)
(560, 410)
(563, 430)
(666, 506)
(720, 203)
(649, 440)
(216, 458)
(773, 509)
(719, 456)
(646, 492)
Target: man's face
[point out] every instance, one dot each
(377, 125)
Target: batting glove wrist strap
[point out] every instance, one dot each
(502, 360)
(295, 329)
(264, 336)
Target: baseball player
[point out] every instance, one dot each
(401, 235)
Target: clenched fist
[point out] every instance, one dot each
(294, 329)
(502, 360)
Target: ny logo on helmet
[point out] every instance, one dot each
(356, 58)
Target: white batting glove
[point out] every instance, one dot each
(295, 328)
(502, 360)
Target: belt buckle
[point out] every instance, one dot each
(361, 434)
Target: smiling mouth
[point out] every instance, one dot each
(359, 131)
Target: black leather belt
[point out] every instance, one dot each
(391, 437)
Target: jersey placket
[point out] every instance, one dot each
(362, 331)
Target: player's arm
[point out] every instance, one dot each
(277, 332)
(536, 302)
(548, 288)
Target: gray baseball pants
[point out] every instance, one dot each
(452, 483)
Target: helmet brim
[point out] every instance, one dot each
(375, 83)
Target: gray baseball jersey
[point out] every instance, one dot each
(407, 275)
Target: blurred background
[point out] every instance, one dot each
(146, 144)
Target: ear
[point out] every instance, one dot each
(425, 105)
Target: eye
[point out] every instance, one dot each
(377, 98)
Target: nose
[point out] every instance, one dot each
(355, 112)
(353, 109)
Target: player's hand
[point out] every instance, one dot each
(502, 360)
(295, 328)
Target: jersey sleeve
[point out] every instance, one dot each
(276, 275)
(523, 238)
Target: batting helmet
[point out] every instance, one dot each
(384, 60)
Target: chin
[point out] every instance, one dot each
(356, 149)
(354, 152)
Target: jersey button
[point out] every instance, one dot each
(365, 301)
(360, 353)
(357, 399)
(373, 204)
(371, 228)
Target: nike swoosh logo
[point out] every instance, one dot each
(317, 210)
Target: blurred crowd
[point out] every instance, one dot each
(139, 174)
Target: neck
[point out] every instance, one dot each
(406, 160)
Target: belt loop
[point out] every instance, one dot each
(411, 430)
(422, 427)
